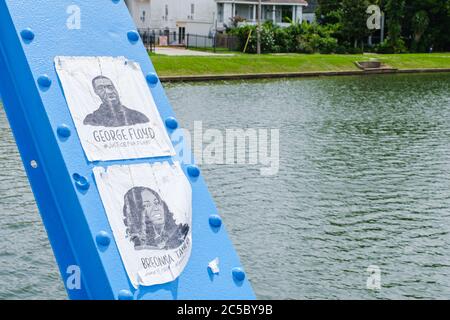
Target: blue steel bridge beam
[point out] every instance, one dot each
(32, 34)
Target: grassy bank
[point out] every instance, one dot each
(246, 64)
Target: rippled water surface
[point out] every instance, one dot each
(364, 180)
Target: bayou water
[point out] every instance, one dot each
(364, 180)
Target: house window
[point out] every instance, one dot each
(267, 13)
(220, 12)
(244, 11)
(192, 9)
(283, 14)
(167, 10)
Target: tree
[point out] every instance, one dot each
(436, 33)
(417, 25)
(420, 24)
(354, 18)
(395, 12)
(329, 11)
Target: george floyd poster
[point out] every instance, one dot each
(149, 208)
(113, 109)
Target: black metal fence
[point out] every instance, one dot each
(152, 38)
(149, 39)
(214, 42)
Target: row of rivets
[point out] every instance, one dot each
(44, 80)
(64, 131)
(28, 35)
(151, 78)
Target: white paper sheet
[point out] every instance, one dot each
(214, 266)
(149, 208)
(113, 109)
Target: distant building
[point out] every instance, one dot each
(281, 12)
(205, 17)
(181, 16)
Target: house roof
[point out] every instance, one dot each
(312, 6)
(298, 2)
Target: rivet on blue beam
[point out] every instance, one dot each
(81, 182)
(34, 164)
(152, 78)
(215, 221)
(27, 35)
(63, 131)
(133, 36)
(116, 1)
(103, 238)
(193, 171)
(44, 82)
(125, 295)
(171, 123)
(238, 274)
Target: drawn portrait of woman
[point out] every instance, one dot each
(150, 224)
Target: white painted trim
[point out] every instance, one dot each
(264, 3)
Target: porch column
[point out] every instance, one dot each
(255, 12)
(227, 12)
(274, 14)
(299, 11)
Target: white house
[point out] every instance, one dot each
(181, 16)
(281, 12)
(204, 17)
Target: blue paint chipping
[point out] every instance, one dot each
(63, 182)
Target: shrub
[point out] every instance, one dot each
(328, 45)
(302, 38)
(284, 41)
(387, 46)
(267, 38)
(316, 38)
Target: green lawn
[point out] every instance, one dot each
(246, 63)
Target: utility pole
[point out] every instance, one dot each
(258, 30)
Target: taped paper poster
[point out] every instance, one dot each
(149, 208)
(113, 109)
